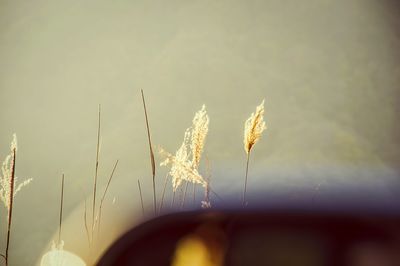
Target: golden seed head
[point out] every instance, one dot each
(185, 163)
(253, 127)
(199, 134)
(181, 167)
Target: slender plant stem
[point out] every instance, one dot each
(141, 197)
(194, 194)
(61, 209)
(96, 172)
(104, 196)
(153, 165)
(245, 181)
(163, 193)
(207, 194)
(208, 180)
(184, 195)
(11, 199)
(173, 198)
(86, 225)
(216, 195)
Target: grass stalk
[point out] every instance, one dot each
(61, 209)
(245, 180)
(153, 165)
(194, 194)
(163, 193)
(184, 194)
(104, 196)
(141, 197)
(86, 224)
(216, 194)
(96, 172)
(11, 199)
(173, 199)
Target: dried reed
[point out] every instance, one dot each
(206, 203)
(184, 168)
(199, 134)
(61, 209)
(173, 198)
(104, 196)
(86, 224)
(8, 191)
(184, 194)
(253, 128)
(141, 197)
(153, 165)
(181, 170)
(194, 193)
(11, 201)
(96, 172)
(163, 193)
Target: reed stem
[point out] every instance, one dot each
(184, 194)
(194, 194)
(173, 199)
(245, 181)
(61, 209)
(141, 197)
(153, 165)
(11, 199)
(86, 225)
(96, 172)
(163, 193)
(104, 196)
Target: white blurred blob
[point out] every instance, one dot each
(59, 257)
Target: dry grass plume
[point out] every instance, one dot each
(8, 189)
(253, 128)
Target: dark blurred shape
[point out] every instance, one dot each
(256, 237)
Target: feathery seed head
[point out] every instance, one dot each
(14, 145)
(185, 162)
(253, 127)
(6, 179)
(181, 167)
(199, 134)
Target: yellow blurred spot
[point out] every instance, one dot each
(193, 251)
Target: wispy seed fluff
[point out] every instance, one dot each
(199, 134)
(184, 165)
(181, 167)
(253, 127)
(5, 178)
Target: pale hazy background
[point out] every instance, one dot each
(328, 70)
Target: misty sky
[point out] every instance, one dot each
(329, 72)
